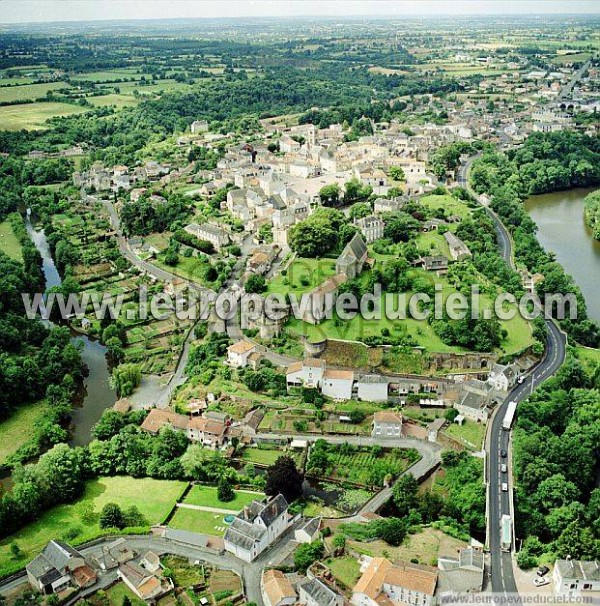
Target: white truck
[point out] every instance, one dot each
(505, 533)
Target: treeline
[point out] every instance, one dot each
(145, 216)
(557, 440)
(592, 213)
(546, 162)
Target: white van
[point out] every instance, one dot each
(504, 487)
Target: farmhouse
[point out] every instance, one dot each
(458, 249)
(58, 567)
(463, 574)
(276, 589)
(146, 585)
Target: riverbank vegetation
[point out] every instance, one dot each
(592, 213)
(544, 163)
(555, 461)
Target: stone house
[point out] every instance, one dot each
(387, 424)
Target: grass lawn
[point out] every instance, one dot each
(302, 275)
(33, 116)
(470, 433)
(9, 243)
(67, 522)
(449, 203)
(17, 429)
(206, 496)
(117, 592)
(346, 570)
(425, 547)
(262, 456)
(202, 522)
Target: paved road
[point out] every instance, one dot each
(568, 88)
(499, 502)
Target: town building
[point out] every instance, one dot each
(372, 388)
(256, 527)
(475, 403)
(276, 589)
(308, 531)
(308, 373)
(59, 566)
(315, 593)
(210, 233)
(371, 227)
(463, 574)
(337, 384)
(458, 249)
(145, 584)
(383, 583)
(238, 353)
(350, 263)
(387, 424)
(576, 577)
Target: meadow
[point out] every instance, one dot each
(33, 116)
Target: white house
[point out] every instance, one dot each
(276, 589)
(211, 233)
(256, 527)
(308, 531)
(308, 373)
(387, 424)
(576, 577)
(315, 593)
(399, 583)
(199, 126)
(371, 228)
(372, 388)
(337, 384)
(501, 378)
(238, 353)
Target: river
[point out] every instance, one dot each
(98, 394)
(562, 230)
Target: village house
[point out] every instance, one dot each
(576, 578)
(437, 264)
(261, 259)
(199, 126)
(256, 527)
(350, 263)
(371, 228)
(308, 531)
(372, 388)
(337, 384)
(385, 205)
(315, 593)
(58, 567)
(383, 583)
(308, 373)
(463, 574)
(210, 233)
(502, 377)
(238, 353)
(387, 424)
(276, 589)
(146, 585)
(458, 249)
(113, 555)
(475, 402)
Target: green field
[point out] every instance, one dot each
(345, 570)
(206, 496)
(262, 456)
(28, 92)
(118, 100)
(117, 593)
(33, 116)
(448, 203)
(9, 243)
(154, 498)
(302, 275)
(18, 428)
(470, 434)
(203, 522)
(590, 358)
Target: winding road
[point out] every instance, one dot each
(500, 502)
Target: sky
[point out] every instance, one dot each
(22, 11)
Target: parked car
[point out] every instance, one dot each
(521, 379)
(503, 453)
(542, 571)
(541, 581)
(503, 468)
(504, 487)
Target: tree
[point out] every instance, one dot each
(397, 173)
(393, 530)
(404, 494)
(255, 284)
(330, 194)
(283, 478)
(111, 516)
(126, 601)
(15, 551)
(307, 554)
(225, 492)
